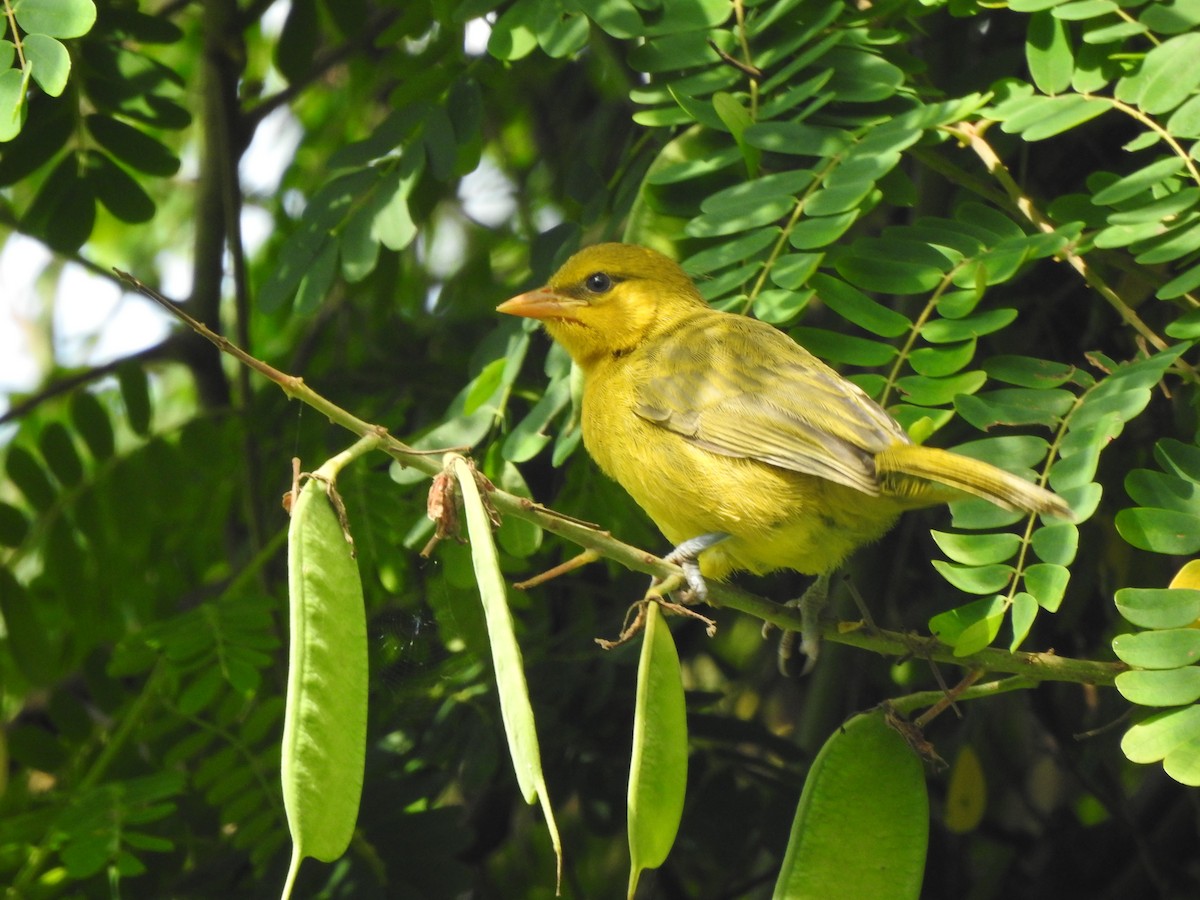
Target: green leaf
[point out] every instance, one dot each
(891, 276)
(1167, 76)
(201, 692)
(727, 253)
(393, 225)
(325, 723)
(1184, 283)
(1171, 17)
(948, 331)
(1174, 244)
(1160, 530)
(131, 146)
(820, 231)
(327, 209)
(731, 220)
(780, 306)
(1023, 614)
(1118, 31)
(843, 348)
(27, 639)
(925, 391)
(1136, 182)
(135, 392)
(1159, 607)
(298, 41)
(1080, 453)
(518, 537)
(791, 272)
(1166, 649)
(440, 144)
(1185, 121)
(1057, 543)
(702, 15)
(1026, 371)
(1158, 736)
(975, 579)
(117, 190)
(937, 362)
(798, 138)
(1172, 687)
(58, 449)
(529, 436)
(1014, 406)
(1011, 451)
(1147, 487)
(1084, 9)
(64, 209)
(1178, 458)
(1106, 411)
(977, 549)
(1047, 582)
(970, 628)
(618, 18)
(14, 526)
(862, 77)
(1162, 210)
(1048, 53)
(874, 849)
(1038, 118)
(49, 62)
(735, 118)
(315, 283)
(769, 189)
(658, 767)
(678, 52)
(359, 250)
(855, 306)
(12, 103)
(514, 34)
(57, 18)
(560, 33)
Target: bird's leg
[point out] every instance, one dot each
(811, 604)
(686, 556)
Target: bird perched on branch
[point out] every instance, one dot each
(746, 450)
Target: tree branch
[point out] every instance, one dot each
(1038, 666)
(972, 136)
(166, 349)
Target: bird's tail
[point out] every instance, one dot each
(906, 470)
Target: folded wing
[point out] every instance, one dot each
(741, 388)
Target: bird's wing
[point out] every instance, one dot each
(741, 388)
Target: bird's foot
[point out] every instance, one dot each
(686, 556)
(811, 605)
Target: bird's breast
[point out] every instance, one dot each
(776, 518)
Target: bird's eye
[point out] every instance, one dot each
(598, 283)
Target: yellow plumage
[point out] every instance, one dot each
(718, 424)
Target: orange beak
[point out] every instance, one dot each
(540, 303)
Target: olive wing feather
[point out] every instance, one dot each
(741, 388)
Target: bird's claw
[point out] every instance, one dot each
(811, 604)
(687, 557)
(697, 591)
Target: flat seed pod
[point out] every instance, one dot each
(862, 825)
(658, 768)
(325, 722)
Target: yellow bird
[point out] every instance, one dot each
(746, 450)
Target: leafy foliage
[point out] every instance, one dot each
(988, 216)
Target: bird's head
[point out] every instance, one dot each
(607, 299)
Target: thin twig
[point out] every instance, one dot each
(1035, 666)
(972, 135)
